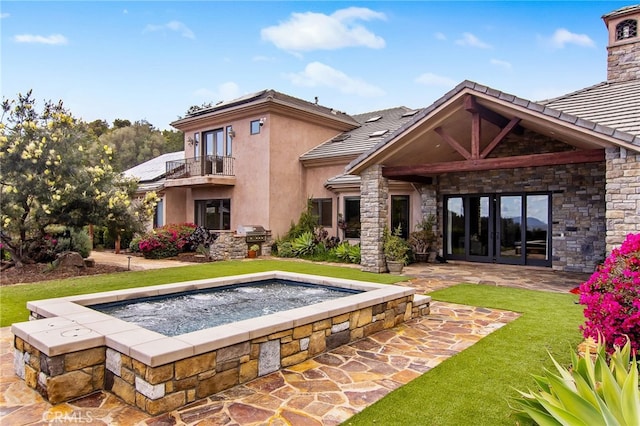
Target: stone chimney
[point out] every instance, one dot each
(623, 59)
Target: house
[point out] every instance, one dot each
(554, 183)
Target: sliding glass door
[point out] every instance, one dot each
(502, 228)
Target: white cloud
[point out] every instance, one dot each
(440, 36)
(224, 92)
(504, 64)
(317, 74)
(32, 38)
(430, 79)
(176, 26)
(562, 37)
(4, 15)
(312, 31)
(470, 40)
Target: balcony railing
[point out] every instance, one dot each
(200, 166)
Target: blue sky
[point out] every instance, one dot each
(153, 60)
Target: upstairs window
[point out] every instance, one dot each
(627, 29)
(255, 126)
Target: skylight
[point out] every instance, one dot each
(410, 113)
(372, 119)
(341, 137)
(378, 133)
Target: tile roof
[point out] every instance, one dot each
(366, 136)
(535, 107)
(274, 96)
(154, 169)
(615, 105)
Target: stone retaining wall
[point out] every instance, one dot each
(163, 388)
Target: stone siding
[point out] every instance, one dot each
(623, 62)
(230, 245)
(623, 195)
(374, 193)
(164, 388)
(578, 206)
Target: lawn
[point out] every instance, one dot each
(13, 299)
(473, 387)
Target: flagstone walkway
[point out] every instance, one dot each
(325, 390)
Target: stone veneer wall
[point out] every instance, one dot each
(160, 389)
(374, 193)
(622, 195)
(623, 62)
(230, 245)
(578, 206)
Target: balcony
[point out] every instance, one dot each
(208, 170)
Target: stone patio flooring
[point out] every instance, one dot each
(325, 390)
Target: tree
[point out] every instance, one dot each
(173, 140)
(98, 127)
(133, 144)
(48, 176)
(119, 123)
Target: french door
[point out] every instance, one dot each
(502, 228)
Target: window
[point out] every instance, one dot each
(213, 214)
(196, 144)
(627, 29)
(158, 214)
(230, 135)
(322, 209)
(400, 214)
(255, 126)
(352, 217)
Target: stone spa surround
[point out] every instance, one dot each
(69, 350)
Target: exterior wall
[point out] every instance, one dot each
(314, 179)
(623, 195)
(578, 206)
(289, 139)
(374, 195)
(174, 206)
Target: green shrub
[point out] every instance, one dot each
(304, 245)
(167, 241)
(285, 249)
(348, 253)
(591, 393)
(395, 247)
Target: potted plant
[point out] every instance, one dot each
(422, 239)
(253, 251)
(396, 250)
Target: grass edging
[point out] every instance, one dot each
(473, 386)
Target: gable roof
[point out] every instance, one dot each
(265, 96)
(372, 127)
(154, 169)
(537, 116)
(615, 105)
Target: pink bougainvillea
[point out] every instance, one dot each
(612, 297)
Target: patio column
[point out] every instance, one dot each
(622, 195)
(374, 194)
(429, 206)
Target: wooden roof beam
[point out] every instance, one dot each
(452, 142)
(533, 160)
(500, 136)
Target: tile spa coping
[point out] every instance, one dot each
(68, 325)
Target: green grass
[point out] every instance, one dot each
(13, 299)
(473, 387)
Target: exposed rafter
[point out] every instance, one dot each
(500, 136)
(452, 142)
(534, 160)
